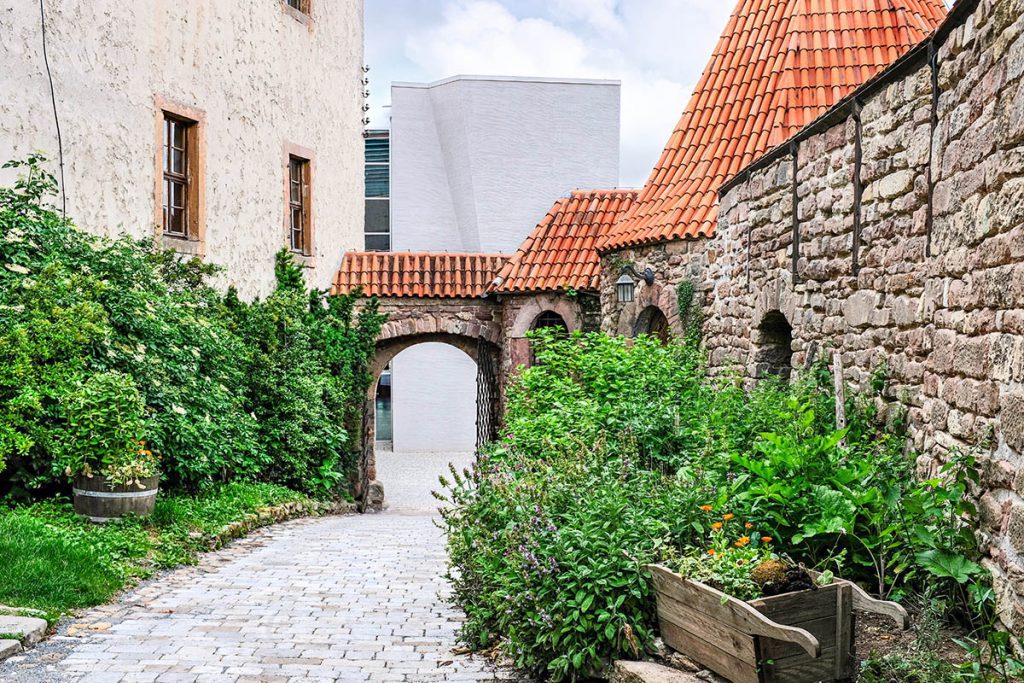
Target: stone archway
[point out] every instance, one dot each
(471, 326)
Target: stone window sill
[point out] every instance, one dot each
(304, 260)
(183, 246)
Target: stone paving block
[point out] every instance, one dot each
(355, 598)
(30, 630)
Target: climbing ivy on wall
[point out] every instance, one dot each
(690, 317)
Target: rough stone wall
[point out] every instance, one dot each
(937, 297)
(459, 322)
(520, 312)
(262, 76)
(672, 263)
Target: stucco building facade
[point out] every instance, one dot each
(253, 89)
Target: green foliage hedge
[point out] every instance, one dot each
(229, 390)
(614, 446)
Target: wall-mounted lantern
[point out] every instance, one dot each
(625, 286)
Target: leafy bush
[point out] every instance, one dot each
(547, 555)
(231, 390)
(617, 445)
(105, 425)
(305, 370)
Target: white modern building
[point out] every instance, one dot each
(476, 162)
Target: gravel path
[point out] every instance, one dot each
(353, 598)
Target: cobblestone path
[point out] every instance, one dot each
(351, 598)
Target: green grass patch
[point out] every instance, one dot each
(54, 561)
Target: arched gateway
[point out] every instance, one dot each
(484, 304)
(428, 298)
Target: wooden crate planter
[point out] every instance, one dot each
(802, 637)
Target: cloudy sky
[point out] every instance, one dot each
(657, 48)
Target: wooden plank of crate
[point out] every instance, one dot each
(738, 614)
(708, 628)
(844, 632)
(824, 629)
(866, 603)
(708, 654)
(801, 669)
(796, 608)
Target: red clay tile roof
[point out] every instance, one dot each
(778, 65)
(559, 254)
(417, 274)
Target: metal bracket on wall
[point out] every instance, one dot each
(794, 148)
(933, 63)
(858, 183)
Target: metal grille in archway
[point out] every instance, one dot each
(486, 394)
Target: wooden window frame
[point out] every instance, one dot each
(307, 256)
(303, 14)
(194, 242)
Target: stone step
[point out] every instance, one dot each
(9, 648)
(29, 630)
(649, 672)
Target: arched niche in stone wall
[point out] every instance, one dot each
(773, 346)
(652, 321)
(530, 311)
(661, 296)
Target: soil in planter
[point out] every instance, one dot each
(776, 577)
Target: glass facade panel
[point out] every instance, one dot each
(377, 176)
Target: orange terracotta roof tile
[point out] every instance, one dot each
(778, 65)
(417, 274)
(559, 254)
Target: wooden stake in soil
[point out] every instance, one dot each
(837, 377)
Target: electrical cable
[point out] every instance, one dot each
(56, 118)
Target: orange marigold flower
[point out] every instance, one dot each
(716, 526)
(743, 540)
(766, 539)
(711, 551)
(748, 525)
(727, 516)
(705, 508)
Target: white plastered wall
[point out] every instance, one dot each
(262, 77)
(433, 399)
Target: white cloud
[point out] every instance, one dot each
(483, 37)
(601, 14)
(657, 48)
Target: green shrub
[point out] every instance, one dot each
(231, 390)
(105, 429)
(617, 445)
(306, 378)
(547, 555)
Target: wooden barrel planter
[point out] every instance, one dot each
(800, 637)
(100, 502)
